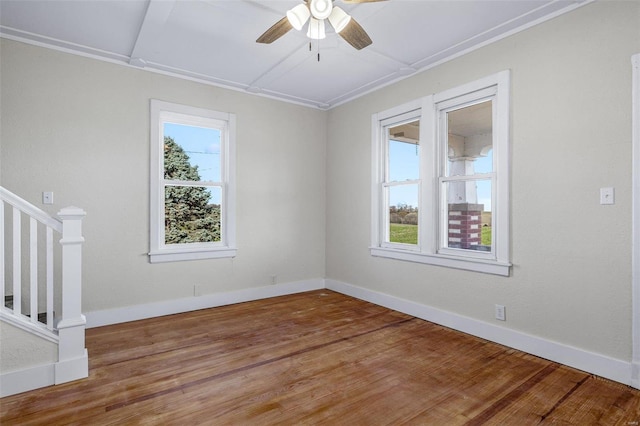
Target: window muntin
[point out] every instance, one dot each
(401, 185)
(466, 134)
(450, 170)
(192, 168)
(192, 194)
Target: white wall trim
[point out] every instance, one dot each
(169, 307)
(40, 376)
(46, 375)
(72, 369)
(435, 60)
(590, 362)
(28, 379)
(635, 219)
(20, 322)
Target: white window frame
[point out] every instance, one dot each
(386, 184)
(432, 211)
(163, 112)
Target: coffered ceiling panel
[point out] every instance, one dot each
(214, 41)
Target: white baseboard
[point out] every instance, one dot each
(72, 369)
(28, 379)
(46, 375)
(187, 304)
(40, 376)
(601, 365)
(635, 373)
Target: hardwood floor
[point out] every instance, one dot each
(315, 358)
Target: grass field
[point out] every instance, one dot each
(408, 234)
(400, 233)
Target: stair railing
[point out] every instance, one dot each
(66, 326)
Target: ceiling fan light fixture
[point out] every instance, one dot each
(339, 19)
(320, 9)
(314, 13)
(298, 16)
(316, 29)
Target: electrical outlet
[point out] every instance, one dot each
(501, 313)
(274, 279)
(607, 196)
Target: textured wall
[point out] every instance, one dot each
(80, 128)
(570, 136)
(19, 349)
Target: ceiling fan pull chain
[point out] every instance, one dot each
(318, 42)
(310, 49)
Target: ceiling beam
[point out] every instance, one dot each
(158, 12)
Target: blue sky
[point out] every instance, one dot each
(202, 145)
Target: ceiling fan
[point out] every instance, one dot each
(317, 12)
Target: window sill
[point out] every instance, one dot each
(160, 256)
(468, 264)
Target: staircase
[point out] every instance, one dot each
(41, 290)
(8, 303)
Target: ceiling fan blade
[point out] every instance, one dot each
(276, 31)
(355, 35)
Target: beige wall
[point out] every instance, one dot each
(570, 136)
(80, 128)
(19, 349)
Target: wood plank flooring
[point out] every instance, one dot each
(315, 358)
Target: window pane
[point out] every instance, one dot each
(192, 214)
(403, 214)
(191, 153)
(404, 143)
(468, 224)
(470, 140)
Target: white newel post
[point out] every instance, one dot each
(72, 355)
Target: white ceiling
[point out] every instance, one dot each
(214, 40)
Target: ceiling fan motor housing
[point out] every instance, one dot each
(316, 12)
(321, 9)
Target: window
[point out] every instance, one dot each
(192, 183)
(441, 178)
(401, 183)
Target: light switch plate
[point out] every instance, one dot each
(501, 313)
(47, 198)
